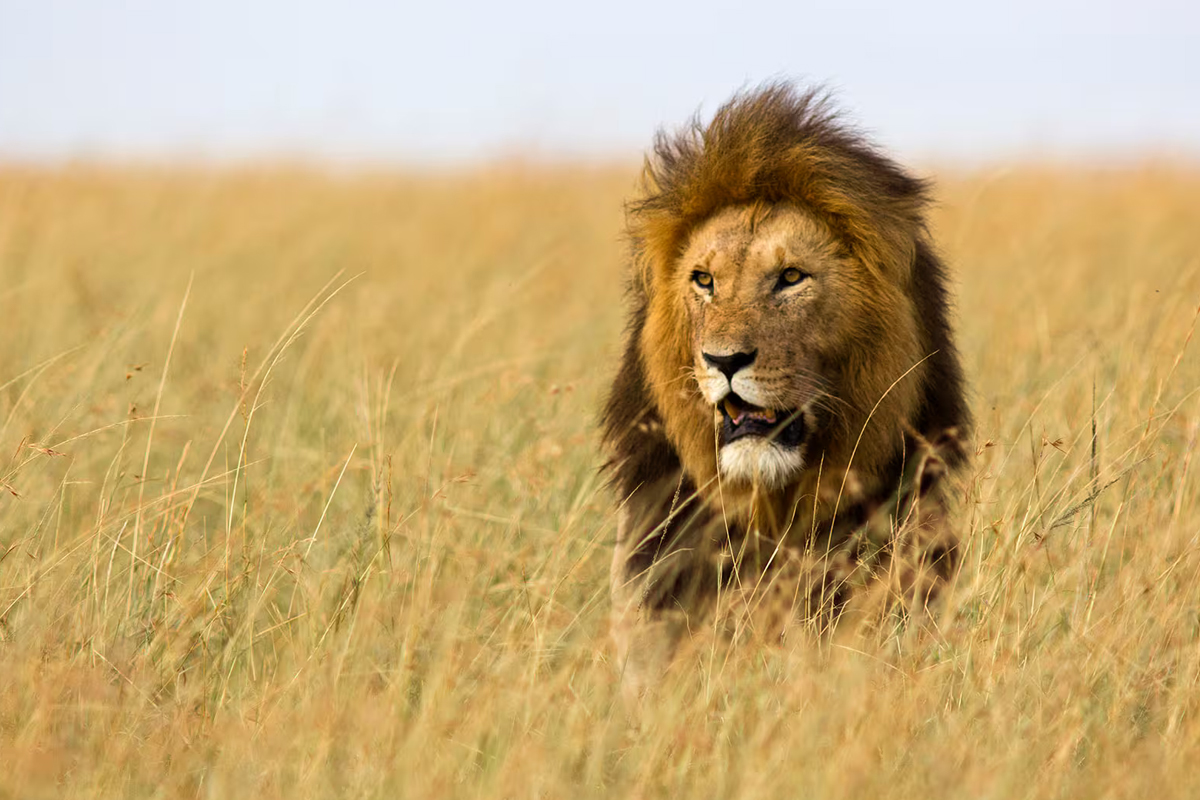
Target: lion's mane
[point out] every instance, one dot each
(901, 379)
(772, 145)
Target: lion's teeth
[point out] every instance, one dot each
(738, 414)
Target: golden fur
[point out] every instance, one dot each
(856, 350)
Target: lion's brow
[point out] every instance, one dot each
(758, 213)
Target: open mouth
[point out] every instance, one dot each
(741, 419)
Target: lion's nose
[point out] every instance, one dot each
(729, 365)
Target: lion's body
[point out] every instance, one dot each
(789, 395)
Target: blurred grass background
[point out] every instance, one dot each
(299, 498)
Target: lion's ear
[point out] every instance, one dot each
(879, 231)
(899, 252)
(887, 254)
(658, 239)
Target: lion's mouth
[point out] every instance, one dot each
(741, 419)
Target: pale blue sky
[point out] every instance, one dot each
(413, 82)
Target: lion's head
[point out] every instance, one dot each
(789, 334)
(790, 314)
(789, 326)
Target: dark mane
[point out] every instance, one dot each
(772, 145)
(688, 545)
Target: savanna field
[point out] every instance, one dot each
(299, 497)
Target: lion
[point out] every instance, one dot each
(789, 402)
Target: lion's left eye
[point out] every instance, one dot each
(702, 279)
(790, 277)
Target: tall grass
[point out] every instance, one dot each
(299, 498)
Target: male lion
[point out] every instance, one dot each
(789, 398)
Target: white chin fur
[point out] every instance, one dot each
(755, 460)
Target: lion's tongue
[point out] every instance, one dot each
(739, 411)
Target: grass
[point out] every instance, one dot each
(299, 498)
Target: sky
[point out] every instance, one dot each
(409, 82)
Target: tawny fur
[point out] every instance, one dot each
(870, 346)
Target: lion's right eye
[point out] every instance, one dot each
(789, 277)
(702, 279)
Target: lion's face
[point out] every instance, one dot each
(770, 298)
(789, 349)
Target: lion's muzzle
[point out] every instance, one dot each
(741, 419)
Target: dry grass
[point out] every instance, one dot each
(196, 598)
